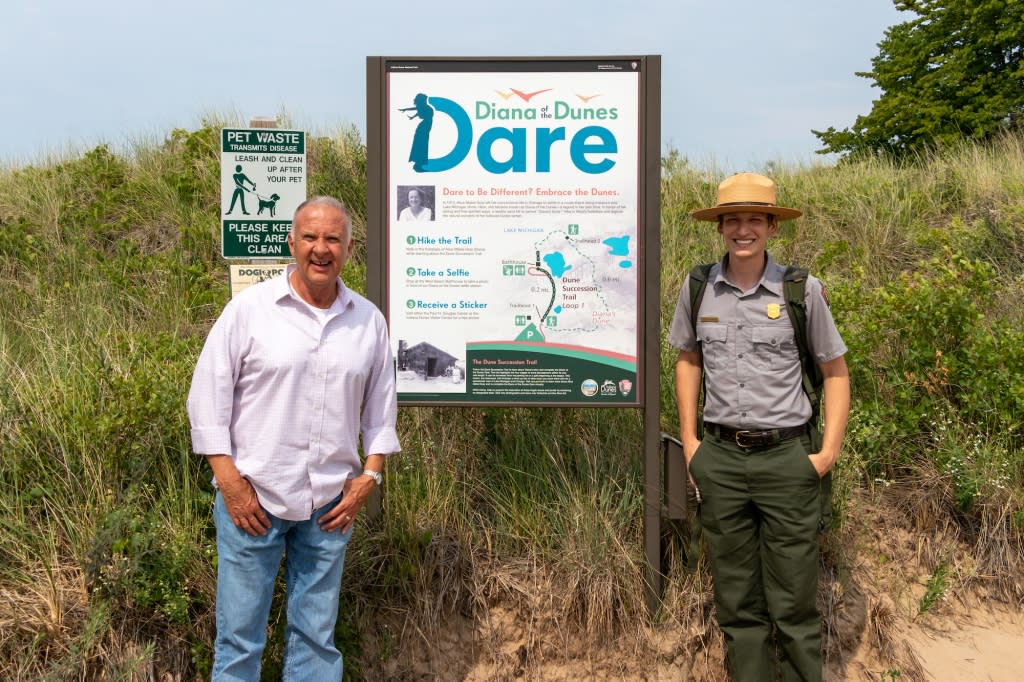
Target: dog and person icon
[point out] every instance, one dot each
(242, 185)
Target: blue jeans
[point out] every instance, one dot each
(247, 569)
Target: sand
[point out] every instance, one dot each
(989, 647)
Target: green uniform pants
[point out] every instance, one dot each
(760, 515)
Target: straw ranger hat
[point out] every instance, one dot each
(746, 192)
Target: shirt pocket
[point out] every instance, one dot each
(774, 346)
(713, 340)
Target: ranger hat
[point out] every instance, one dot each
(746, 192)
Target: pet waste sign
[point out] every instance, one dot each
(262, 182)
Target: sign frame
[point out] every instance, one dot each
(642, 168)
(267, 166)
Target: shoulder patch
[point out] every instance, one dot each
(824, 297)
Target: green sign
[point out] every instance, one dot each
(263, 180)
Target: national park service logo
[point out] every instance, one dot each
(774, 311)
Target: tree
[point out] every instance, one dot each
(956, 71)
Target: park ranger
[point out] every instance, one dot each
(759, 465)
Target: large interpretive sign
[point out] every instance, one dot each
(513, 240)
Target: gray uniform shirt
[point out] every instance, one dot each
(751, 361)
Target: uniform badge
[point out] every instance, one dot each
(774, 311)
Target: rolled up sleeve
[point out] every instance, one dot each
(380, 400)
(211, 397)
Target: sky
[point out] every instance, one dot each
(743, 82)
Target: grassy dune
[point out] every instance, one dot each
(521, 525)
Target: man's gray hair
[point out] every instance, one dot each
(324, 200)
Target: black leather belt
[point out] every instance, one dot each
(754, 439)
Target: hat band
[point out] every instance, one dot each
(747, 203)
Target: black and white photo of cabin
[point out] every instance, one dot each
(425, 368)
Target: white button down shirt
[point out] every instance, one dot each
(287, 393)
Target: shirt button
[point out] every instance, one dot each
(742, 385)
(740, 356)
(739, 326)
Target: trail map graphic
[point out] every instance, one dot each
(574, 285)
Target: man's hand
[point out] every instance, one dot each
(343, 515)
(242, 505)
(355, 492)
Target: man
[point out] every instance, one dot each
(756, 470)
(292, 373)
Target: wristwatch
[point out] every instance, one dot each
(375, 475)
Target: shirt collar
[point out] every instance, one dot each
(283, 290)
(771, 278)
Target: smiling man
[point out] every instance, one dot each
(294, 371)
(758, 468)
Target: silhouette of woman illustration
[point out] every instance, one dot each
(421, 138)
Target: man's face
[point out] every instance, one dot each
(746, 233)
(321, 244)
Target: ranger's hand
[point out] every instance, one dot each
(823, 462)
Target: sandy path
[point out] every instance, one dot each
(990, 648)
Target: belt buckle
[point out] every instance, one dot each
(753, 439)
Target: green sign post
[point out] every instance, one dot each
(263, 180)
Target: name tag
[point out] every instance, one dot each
(708, 318)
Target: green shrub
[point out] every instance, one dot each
(142, 562)
(925, 344)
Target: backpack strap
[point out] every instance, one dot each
(698, 283)
(794, 286)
